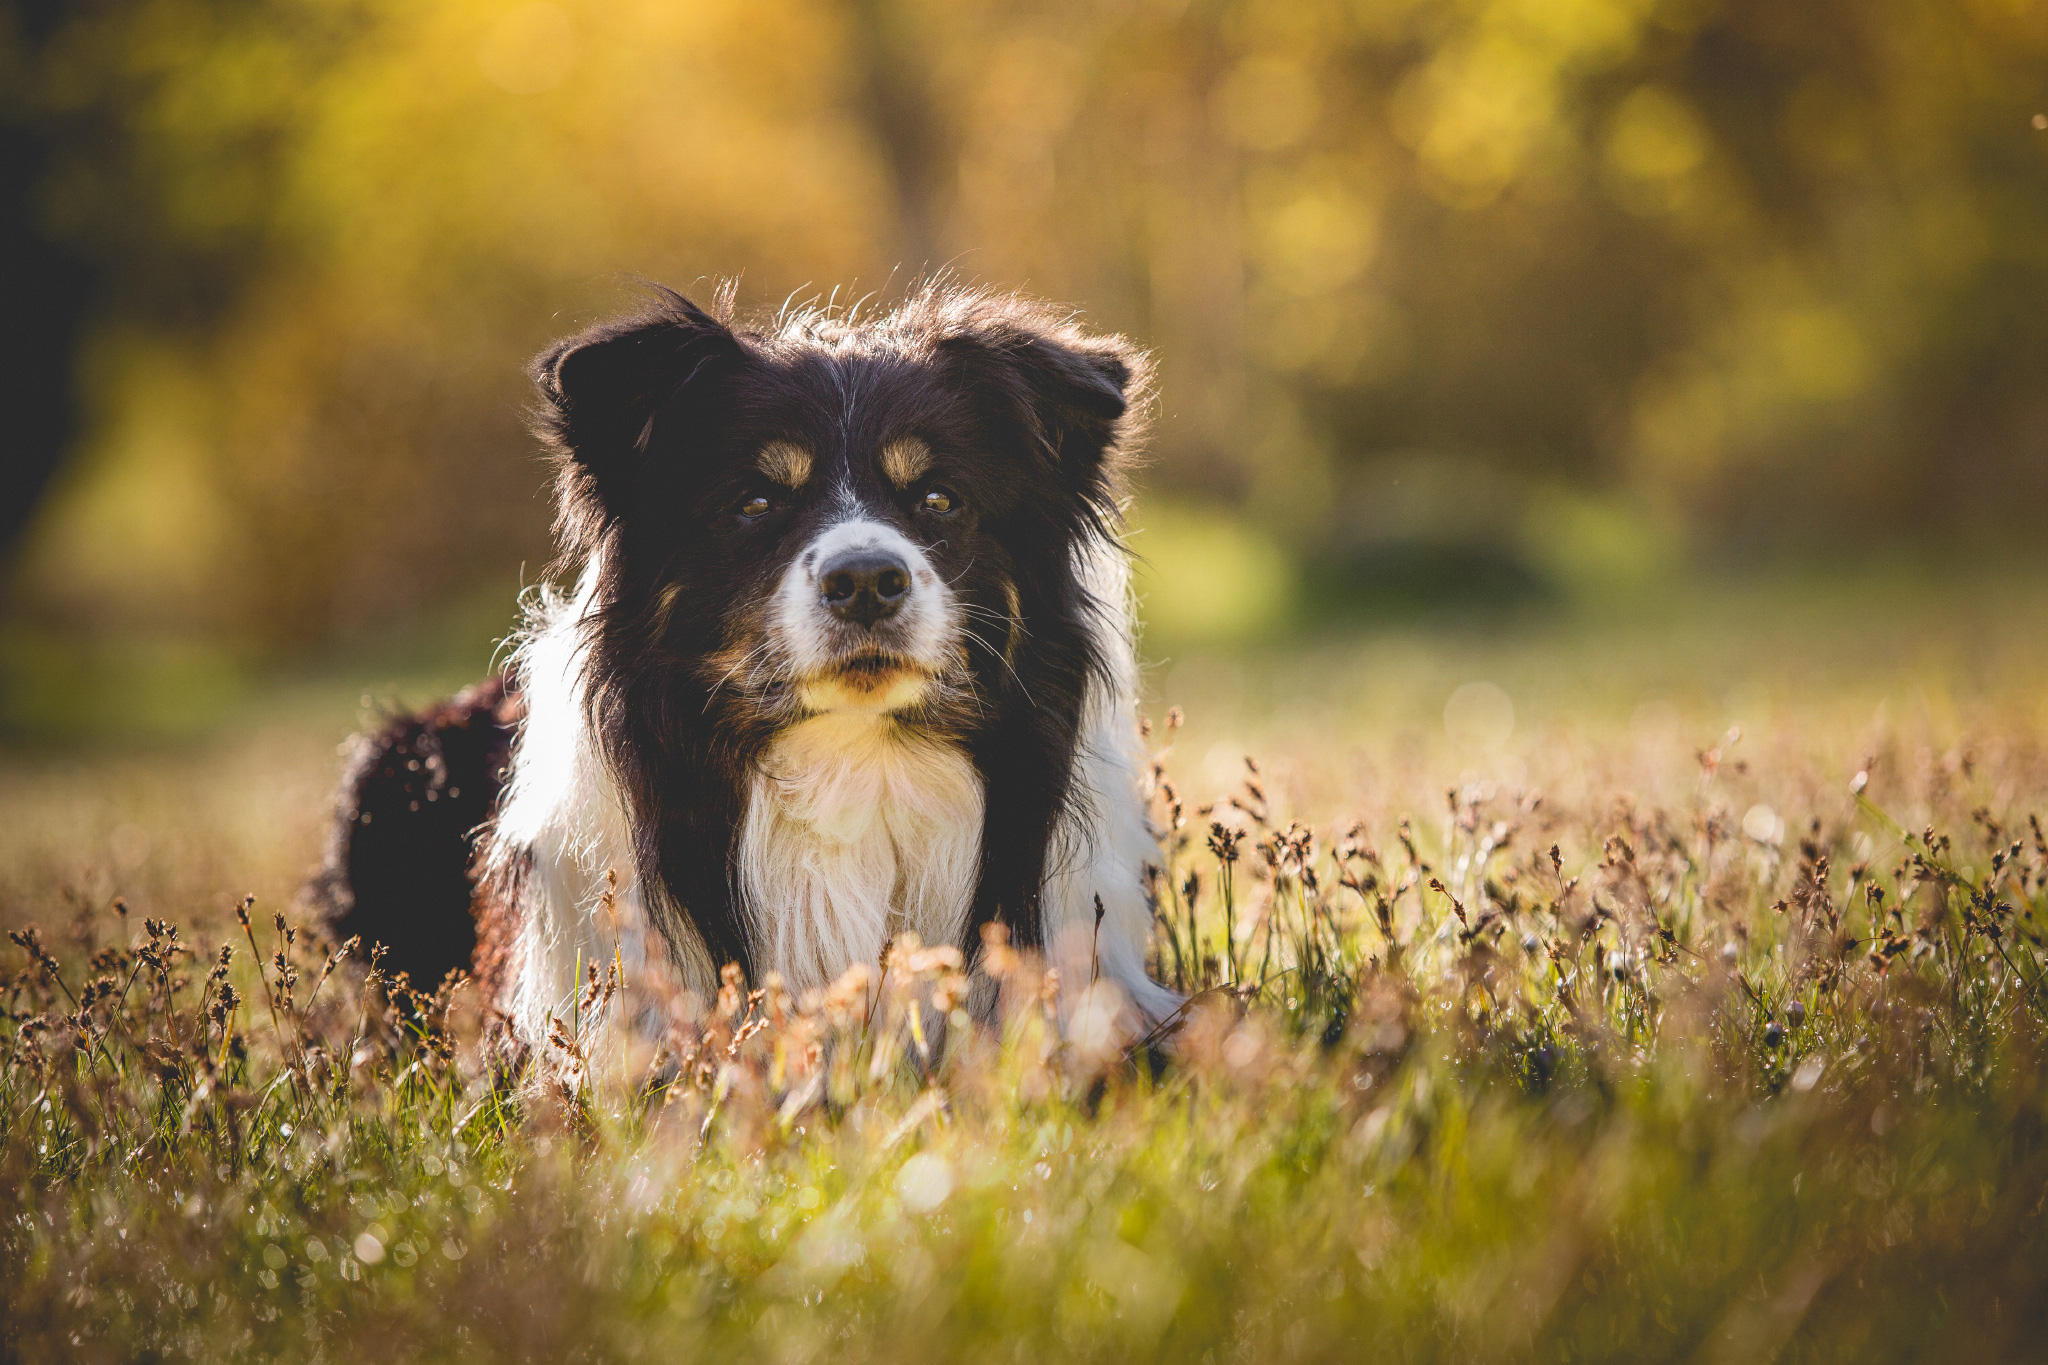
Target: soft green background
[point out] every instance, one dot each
(1460, 306)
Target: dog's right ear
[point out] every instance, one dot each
(603, 391)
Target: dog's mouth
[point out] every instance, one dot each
(871, 668)
(874, 663)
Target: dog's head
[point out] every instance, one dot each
(831, 514)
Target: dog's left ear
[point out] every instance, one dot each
(1071, 395)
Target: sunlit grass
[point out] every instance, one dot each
(1566, 1023)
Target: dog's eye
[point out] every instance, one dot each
(941, 501)
(756, 507)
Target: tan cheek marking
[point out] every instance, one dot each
(906, 460)
(723, 666)
(1015, 602)
(787, 464)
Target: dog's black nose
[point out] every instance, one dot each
(865, 586)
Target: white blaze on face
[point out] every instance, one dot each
(817, 644)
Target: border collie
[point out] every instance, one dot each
(849, 653)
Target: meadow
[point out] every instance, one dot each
(1664, 983)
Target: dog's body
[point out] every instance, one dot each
(850, 654)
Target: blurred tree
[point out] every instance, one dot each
(1525, 278)
(46, 286)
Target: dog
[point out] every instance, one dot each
(849, 653)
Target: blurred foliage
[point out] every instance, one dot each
(1556, 293)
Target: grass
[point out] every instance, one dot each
(1567, 1023)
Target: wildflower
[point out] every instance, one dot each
(998, 960)
(1457, 906)
(30, 940)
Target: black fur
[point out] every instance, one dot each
(399, 863)
(655, 424)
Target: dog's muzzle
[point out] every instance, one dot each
(864, 621)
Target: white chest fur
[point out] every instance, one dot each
(856, 830)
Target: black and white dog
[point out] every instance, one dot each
(850, 654)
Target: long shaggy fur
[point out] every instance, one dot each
(724, 756)
(401, 854)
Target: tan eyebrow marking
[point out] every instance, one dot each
(905, 459)
(787, 464)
